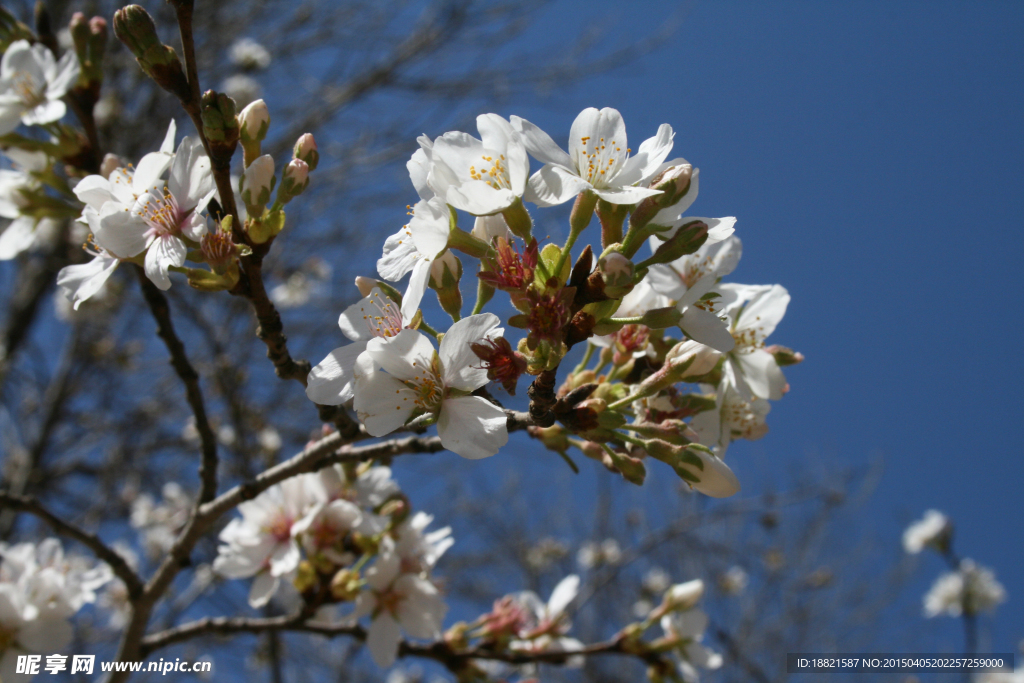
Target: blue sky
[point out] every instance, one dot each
(874, 154)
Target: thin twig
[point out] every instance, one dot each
(190, 378)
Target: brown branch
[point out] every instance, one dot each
(441, 651)
(190, 378)
(117, 563)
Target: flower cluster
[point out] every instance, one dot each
(632, 404)
(41, 588)
(966, 590)
(344, 534)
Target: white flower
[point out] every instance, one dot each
(688, 627)
(422, 380)
(32, 84)
(656, 580)
(419, 551)
(241, 88)
(162, 218)
(81, 281)
(160, 523)
(374, 316)
(754, 312)
(681, 597)
(40, 589)
(248, 54)
(22, 233)
(933, 530)
(688, 279)
(547, 623)
(481, 177)
(325, 527)
(968, 590)
(734, 581)
(413, 248)
(598, 160)
(397, 601)
(260, 543)
(734, 417)
(593, 554)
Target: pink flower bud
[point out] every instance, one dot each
(305, 149)
(254, 121)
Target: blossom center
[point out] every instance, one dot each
(492, 171)
(162, 215)
(385, 320)
(427, 386)
(29, 90)
(742, 421)
(280, 527)
(598, 161)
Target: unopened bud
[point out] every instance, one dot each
(345, 585)
(632, 469)
(445, 273)
(111, 162)
(555, 437)
(253, 122)
(712, 478)
(685, 240)
(135, 28)
(683, 596)
(784, 356)
(685, 361)
(305, 149)
(365, 285)
(305, 577)
(79, 30)
(257, 183)
(617, 272)
(674, 183)
(220, 124)
(294, 180)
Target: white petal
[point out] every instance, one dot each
(718, 228)
(330, 382)
(472, 427)
(762, 374)
(429, 226)
(626, 195)
(419, 170)
(66, 74)
(119, 232)
(553, 185)
(83, 280)
(457, 356)
(642, 166)
(149, 171)
(540, 145)
(47, 112)
(164, 252)
(479, 198)
(19, 236)
(765, 311)
(263, 588)
(404, 356)
(399, 257)
(594, 125)
(416, 288)
(94, 190)
(167, 146)
(382, 639)
(706, 328)
(564, 593)
(383, 403)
